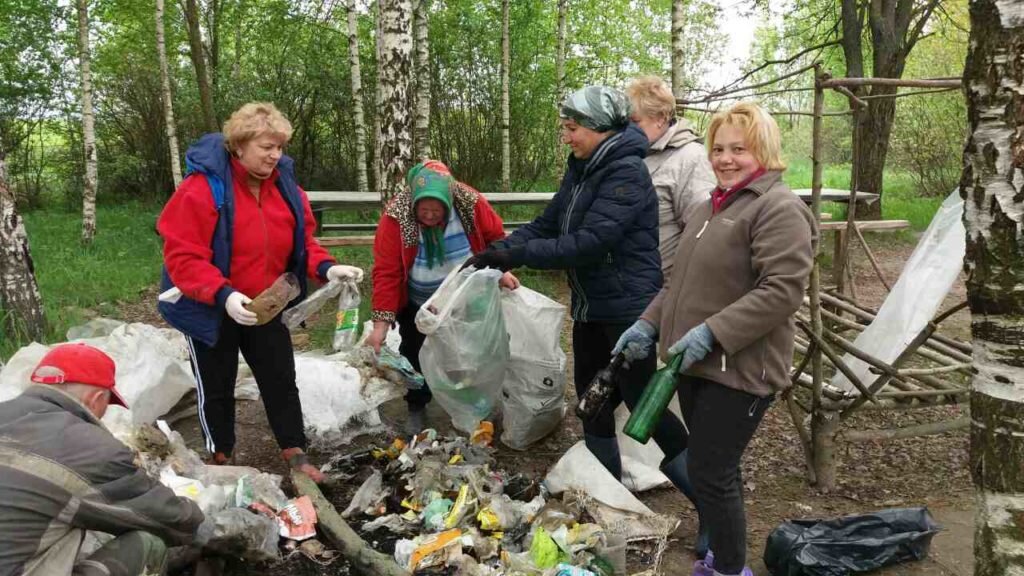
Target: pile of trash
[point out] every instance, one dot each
(440, 506)
(253, 517)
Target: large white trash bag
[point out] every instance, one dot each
(533, 396)
(466, 350)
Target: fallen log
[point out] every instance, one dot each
(359, 554)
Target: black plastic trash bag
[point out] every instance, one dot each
(842, 546)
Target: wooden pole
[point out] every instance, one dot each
(908, 432)
(855, 82)
(871, 258)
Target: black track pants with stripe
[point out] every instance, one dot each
(268, 351)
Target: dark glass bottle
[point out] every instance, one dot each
(601, 387)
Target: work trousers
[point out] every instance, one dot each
(722, 421)
(268, 351)
(412, 342)
(130, 554)
(592, 344)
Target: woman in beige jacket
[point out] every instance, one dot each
(739, 275)
(677, 160)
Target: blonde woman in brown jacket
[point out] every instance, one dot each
(739, 275)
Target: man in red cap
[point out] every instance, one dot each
(62, 473)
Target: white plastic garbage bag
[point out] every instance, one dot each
(533, 394)
(466, 350)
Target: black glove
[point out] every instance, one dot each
(501, 259)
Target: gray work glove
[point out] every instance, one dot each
(694, 346)
(637, 341)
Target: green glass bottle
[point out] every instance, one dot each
(653, 401)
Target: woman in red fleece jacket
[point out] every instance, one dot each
(265, 206)
(426, 231)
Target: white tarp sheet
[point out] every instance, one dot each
(915, 299)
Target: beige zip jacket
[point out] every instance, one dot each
(683, 179)
(743, 271)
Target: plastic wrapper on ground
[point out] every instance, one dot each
(242, 534)
(533, 393)
(848, 545)
(466, 350)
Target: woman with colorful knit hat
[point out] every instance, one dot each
(429, 229)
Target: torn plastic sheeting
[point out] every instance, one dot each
(337, 402)
(238, 532)
(580, 470)
(152, 370)
(370, 493)
(641, 463)
(840, 546)
(923, 284)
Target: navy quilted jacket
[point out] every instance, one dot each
(602, 228)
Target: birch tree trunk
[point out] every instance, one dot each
(195, 44)
(678, 24)
(505, 60)
(560, 72)
(394, 72)
(21, 305)
(165, 88)
(992, 186)
(362, 181)
(421, 32)
(88, 127)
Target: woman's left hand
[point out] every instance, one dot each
(509, 281)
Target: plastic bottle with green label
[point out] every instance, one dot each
(653, 401)
(346, 327)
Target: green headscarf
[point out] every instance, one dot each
(430, 180)
(599, 108)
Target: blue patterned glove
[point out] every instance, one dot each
(636, 342)
(694, 346)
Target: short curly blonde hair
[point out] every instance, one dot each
(760, 132)
(253, 120)
(652, 97)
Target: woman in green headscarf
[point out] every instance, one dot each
(426, 231)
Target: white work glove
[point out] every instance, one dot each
(235, 306)
(341, 272)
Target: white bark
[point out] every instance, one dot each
(394, 73)
(421, 32)
(21, 305)
(506, 171)
(359, 120)
(88, 127)
(560, 70)
(992, 185)
(678, 25)
(165, 88)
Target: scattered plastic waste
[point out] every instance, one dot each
(367, 497)
(298, 519)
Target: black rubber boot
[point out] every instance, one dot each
(607, 452)
(676, 471)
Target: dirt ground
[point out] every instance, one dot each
(929, 471)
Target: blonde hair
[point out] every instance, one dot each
(760, 132)
(652, 97)
(253, 120)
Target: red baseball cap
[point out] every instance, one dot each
(78, 364)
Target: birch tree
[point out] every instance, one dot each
(678, 50)
(992, 185)
(88, 126)
(421, 28)
(362, 182)
(21, 305)
(505, 121)
(560, 70)
(394, 72)
(190, 9)
(165, 88)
